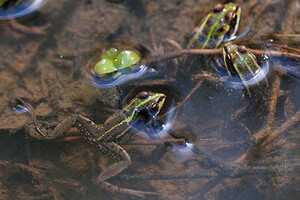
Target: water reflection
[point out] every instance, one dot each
(20, 9)
(20, 109)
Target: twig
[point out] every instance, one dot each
(178, 53)
(284, 47)
(261, 141)
(183, 52)
(185, 99)
(278, 131)
(29, 30)
(273, 53)
(273, 102)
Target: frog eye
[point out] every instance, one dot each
(143, 95)
(218, 7)
(242, 49)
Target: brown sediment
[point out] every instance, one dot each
(38, 174)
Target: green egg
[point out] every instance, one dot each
(126, 59)
(111, 53)
(105, 66)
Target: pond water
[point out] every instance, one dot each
(242, 145)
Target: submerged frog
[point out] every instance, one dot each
(239, 61)
(219, 25)
(143, 108)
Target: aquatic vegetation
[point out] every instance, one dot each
(112, 61)
(115, 63)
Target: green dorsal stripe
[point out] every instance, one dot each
(212, 28)
(129, 119)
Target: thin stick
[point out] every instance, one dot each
(284, 47)
(185, 99)
(273, 102)
(273, 53)
(183, 52)
(279, 130)
(289, 123)
(178, 53)
(29, 30)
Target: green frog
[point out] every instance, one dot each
(143, 109)
(219, 25)
(243, 63)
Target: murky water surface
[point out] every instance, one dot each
(48, 68)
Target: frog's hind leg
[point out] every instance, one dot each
(117, 168)
(61, 130)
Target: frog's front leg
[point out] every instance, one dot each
(117, 168)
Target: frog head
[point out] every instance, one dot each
(145, 105)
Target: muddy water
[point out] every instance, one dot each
(49, 70)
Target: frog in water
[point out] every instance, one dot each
(240, 61)
(143, 108)
(219, 25)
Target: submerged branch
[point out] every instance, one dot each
(184, 52)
